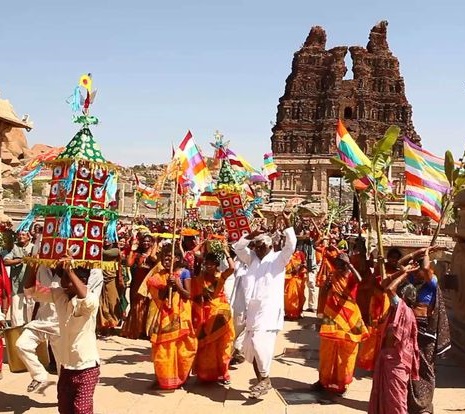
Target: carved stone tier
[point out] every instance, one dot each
(317, 95)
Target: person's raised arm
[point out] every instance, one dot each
(132, 256)
(230, 270)
(392, 282)
(79, 285)
(291, 240)
(241, 247)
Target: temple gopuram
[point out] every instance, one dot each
(317, 94)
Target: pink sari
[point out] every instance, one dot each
(395, 365)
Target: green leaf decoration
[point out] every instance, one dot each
(227, 176)
(384, 145)
(449, 167)
(83, 147)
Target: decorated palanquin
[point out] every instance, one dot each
(233, 201)
(76, 219)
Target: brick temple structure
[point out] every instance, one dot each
(317, 94)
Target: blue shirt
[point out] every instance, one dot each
(426, 294)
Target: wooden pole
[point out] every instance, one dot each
(173, 244)
(183, 206)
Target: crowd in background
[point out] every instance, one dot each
(188, 296)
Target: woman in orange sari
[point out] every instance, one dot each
(212, 320)
(172, 335)
(325, 253)
(342, 329)
(294, 286)
(378, 312)
(141, 259)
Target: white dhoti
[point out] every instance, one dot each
(21, 309)
(239, 329)
(312, 291)
(27, 345)
(259, 346)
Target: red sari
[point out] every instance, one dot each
(213, 323)
(5, 300)
(395, 364)
(135, 325)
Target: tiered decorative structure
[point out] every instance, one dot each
(317, 94)
(232, 201)
(75, 217)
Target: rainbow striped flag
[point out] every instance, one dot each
(239, 163)
(349, 152)
(193, 168)
(425, 181)
(146, 192)
(208, 198)
(270, 170)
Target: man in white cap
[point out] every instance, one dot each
(264, 293)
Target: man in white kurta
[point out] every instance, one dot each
(264, 293)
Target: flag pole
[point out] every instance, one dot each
(183, 206)
(173, 244)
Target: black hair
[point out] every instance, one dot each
(394, 251)
(212, 257)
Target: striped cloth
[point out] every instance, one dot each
(425, 181)
(193, 168)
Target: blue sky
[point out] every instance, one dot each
(164, 67)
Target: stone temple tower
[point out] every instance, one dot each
(317, 95)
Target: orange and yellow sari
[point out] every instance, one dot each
(324, 257)
(377, 316)
(211, 315)
(294, 286)
(340, 334)
(173, 338)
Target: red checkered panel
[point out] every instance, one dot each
(233, 215)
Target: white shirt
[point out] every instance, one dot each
(238, 295)
(264, 283)
(77, 319)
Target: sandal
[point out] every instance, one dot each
(33, 386)
(260, 389)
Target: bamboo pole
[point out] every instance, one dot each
(378, 232)
(173, 244)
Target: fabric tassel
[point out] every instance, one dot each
(65, 225)
(218, 214)
(110, 187)
(29, 177)
(112, 234)
(67, 183)
(27, 222)
(249, 210)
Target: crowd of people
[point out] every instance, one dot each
(205, 304)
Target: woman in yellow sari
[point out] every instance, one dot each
(173, 338)
(342, 329)
(213, 321)
(294, 286)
